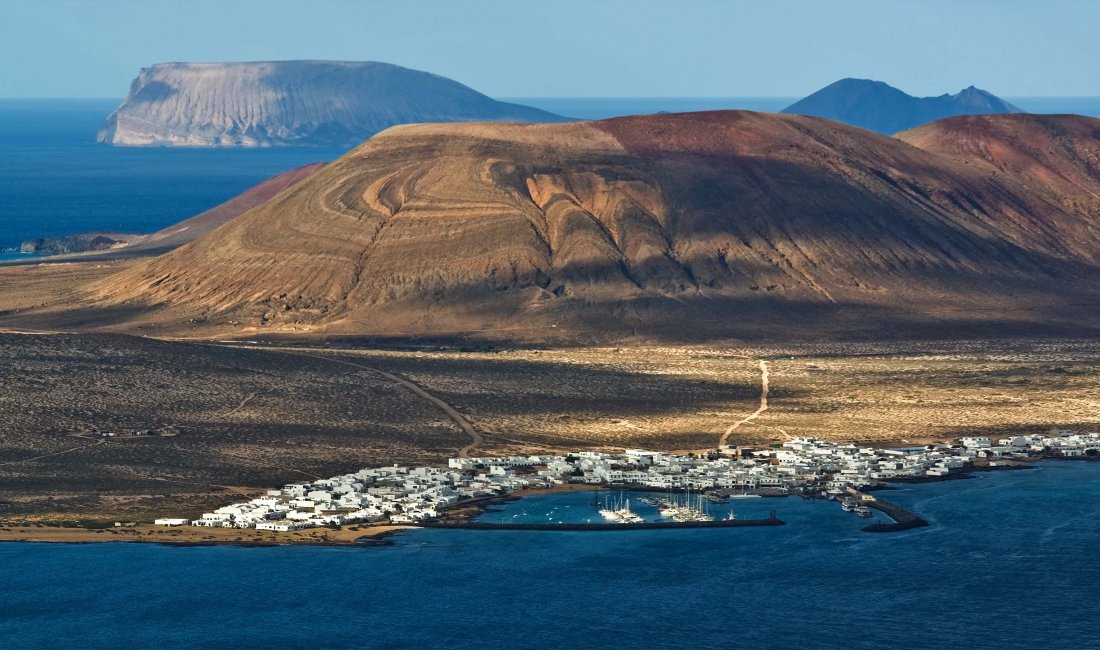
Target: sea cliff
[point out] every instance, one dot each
(296, 103)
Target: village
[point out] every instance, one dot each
(807, 466)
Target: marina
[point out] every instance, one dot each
(640, 524)
(692, 484)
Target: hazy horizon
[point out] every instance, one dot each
(514, 98)
(613, 49)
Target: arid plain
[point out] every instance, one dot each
(245, 418)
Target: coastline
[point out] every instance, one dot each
(355, 535)
(347, 536)
(463, 515)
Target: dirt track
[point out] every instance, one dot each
(755, 414)
(476, 439)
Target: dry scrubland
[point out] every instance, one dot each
(247, 419)
(934, 392)
(251, 418)
(526, 400)
(685, 398)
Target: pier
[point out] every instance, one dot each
(649, 525)
(903, 519)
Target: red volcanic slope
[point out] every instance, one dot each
(1054, 155)
(701, 225)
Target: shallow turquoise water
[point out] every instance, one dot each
(1008, 563)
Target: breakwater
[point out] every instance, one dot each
(649, 525)
(903, 519)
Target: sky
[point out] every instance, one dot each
(573, 48)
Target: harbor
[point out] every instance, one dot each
(902, 518)
(772, 520)
(808, 467)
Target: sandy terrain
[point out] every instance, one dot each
(687, 398)
(248, 419)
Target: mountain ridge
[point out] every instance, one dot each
(699, 225)
(878, 106)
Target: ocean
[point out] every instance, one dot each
(1007, 563)
(55, 180)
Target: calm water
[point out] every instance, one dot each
(55, 180)
(14, 256)
(1009, 563)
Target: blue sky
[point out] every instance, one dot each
(609, 48)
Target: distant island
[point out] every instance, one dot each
(95, 241)
(292, 103)
(877, 106)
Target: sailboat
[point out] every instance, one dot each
(621, 514)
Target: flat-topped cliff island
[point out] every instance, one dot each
(292, 103)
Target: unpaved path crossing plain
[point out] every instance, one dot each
(476, 439)
(755, 414)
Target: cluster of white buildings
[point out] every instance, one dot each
(397, 494)
(409, 495)
(1059, 442)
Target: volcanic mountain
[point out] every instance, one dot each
(191, 229)
(880, 107)
(315, 103)
(691, 226)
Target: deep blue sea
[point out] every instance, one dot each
(55, 180)
(1009, 562)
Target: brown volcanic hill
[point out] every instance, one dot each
(191, 229)
(703, 225)
(1054, 155)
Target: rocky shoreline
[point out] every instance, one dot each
(82, 243)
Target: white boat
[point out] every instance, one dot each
(621, 515)
(610, 515)
(688, 510)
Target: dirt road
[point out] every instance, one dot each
(755, 414)
(476, 439)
